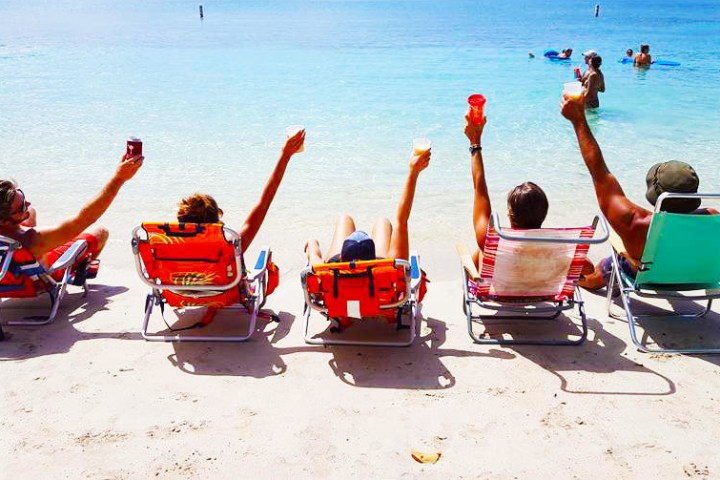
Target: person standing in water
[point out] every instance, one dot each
(643, 58)
(593, 82)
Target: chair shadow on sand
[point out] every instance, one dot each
(415, 367)
(24, 342)
(256, 357)
(601, 353)
(663, 331)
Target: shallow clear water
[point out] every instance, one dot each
(211, 99)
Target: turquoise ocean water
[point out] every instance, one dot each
(211, 99)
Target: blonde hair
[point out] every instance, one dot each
(199, 208)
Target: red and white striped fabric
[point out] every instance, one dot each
(515, 270)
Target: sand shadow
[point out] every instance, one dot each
(661, 330)
(601, 353)
(415, 367)
(257, 357)
(24, 342)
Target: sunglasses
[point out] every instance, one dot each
(24, 206)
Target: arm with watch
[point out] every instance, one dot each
(481, 204)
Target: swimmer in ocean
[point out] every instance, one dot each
(643, 58)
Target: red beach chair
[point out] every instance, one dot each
(350, 291)
(22, 276)
(200, 265)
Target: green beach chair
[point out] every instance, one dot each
(681, 262)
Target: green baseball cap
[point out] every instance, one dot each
(673, 177)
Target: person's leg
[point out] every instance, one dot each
(382, 234)
(344, 227)
(400, 242)
(312, 250)
(595, 278)
(100, 236)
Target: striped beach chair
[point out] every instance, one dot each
(680, 263)
(527, 274)
(23, 276)
(199, 265)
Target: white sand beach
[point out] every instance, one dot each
(86, 397)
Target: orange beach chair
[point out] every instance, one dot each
(199, 265)
(22, 276)
(343, 292)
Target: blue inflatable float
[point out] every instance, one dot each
(664, 63)
(554, 55)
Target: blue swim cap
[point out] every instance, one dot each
(358, 246)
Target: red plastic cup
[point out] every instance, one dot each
(477, 105)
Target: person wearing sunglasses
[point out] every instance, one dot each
(18, 220)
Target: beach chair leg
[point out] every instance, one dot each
(149, 304)
(632, 320)
(55, 295)
(578, 302)
(153, 299)
(412, 311)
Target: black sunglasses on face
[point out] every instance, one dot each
(24, 207)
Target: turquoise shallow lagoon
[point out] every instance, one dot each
(211, 99)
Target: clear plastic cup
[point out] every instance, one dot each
(477, 106)
(291, 131)
(573, 90)
(421, 145)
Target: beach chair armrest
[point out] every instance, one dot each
(69, 257)
(415, 271)
(7, 247)
(466, 261)
(260, 266)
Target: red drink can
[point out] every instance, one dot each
(134, 147)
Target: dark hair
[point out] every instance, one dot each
(527, 205)
(199, 208)
(629, 52)
(8, 190)
(596, 61)
(644, 48)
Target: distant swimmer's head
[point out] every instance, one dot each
(596, 61)
(199, 208)
(589, 54)
(673, 177)
(644, 48)
(527, 206)
(567, 52)
(629, 52)
(357, 246)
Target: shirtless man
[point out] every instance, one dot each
(643, 58)
(18, 219)
(593, 82)
(629, 220)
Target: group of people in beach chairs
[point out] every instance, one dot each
(523, 271)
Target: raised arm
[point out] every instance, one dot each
(628, 219)
(48, 238)
(254, 220)
(481, 204)
(400, 242)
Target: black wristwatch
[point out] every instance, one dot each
(475, 147)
